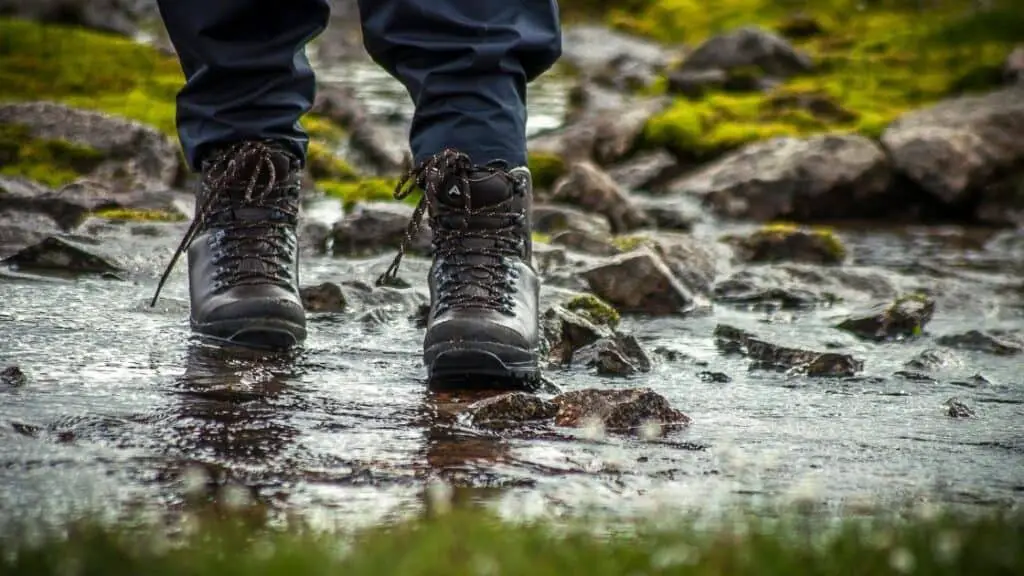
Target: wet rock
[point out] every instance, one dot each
(829, 176)
(116, 16)
(670, 214)
(934, 359)
(904, 318)
(787, 243)
(692, 261)
(957, 409)
(796, 286)
(620, 60)
(20, 229)
(592, 189)
(326, 297)
(772, 356)
(314, 236)
(133, 152)
(70, 205)
(619, 355)
(714, 377)
(399, 300)
(12, 377)
(510, 411)
(384, 149)
(601, 135)
(991, 342)
(374, 227)
(956, 148)
(643, 171)
(547, 258)
(587, 243)
(566, 332)
(640, 281)
(749, 47)
(56, 254)
(553, 218)
(1002, 203)
(914, 376)
(620, 411)
(1013, 68)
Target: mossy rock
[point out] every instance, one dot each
(785, 242)
(594, 309)
(324, 164)
(128, 215)
(362, 191)
(546, 169)
(90, 70)
(53, 163)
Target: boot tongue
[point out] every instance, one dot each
(272, 168)
(486, 189)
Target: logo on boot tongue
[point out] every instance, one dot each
(454, 192)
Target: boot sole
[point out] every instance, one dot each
(264, 334)
(481, 365)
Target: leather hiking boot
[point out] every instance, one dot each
(484, 292)
(243, 264)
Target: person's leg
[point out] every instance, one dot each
(248, 82)
(466, 65)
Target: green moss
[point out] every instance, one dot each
(874, 63)
(541, 238)
(467, 541)
(50, 162)
(326, 165)
(784, 240)
(630, 242)
(545, 168)
(140, 215)
(596, 309)
(366, 190)
(89, 70)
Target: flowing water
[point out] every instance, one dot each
(121, 407)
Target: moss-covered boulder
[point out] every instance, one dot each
(783, 242)
(903, 318)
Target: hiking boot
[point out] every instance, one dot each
(243, 264)
(484, 290)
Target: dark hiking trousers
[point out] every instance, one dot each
(465, 64)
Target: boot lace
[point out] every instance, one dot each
(487, 281)
(244, 251)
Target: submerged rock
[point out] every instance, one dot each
(934, 359)
(789, 243)
(588, 187)
(997, 343)
(904, 318)
(12, 377)
(510, 410)
(56, 254)
(326, 297)
(957, 409)
(957, 148)
(20, 229)
(828, 176)
(622, 411)
(772, 356)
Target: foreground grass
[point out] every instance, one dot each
(466, 542)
